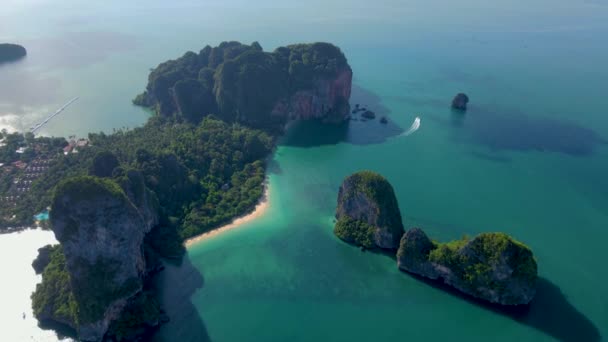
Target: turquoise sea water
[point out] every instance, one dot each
(529, 158)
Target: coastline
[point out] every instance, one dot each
(260, 209)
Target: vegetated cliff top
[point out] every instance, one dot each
(84, 188)
(368, 213)
(491, 266)
(240, 82)
(488, 248)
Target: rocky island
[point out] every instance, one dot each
(11, 52)
(368, 214)
(132, 197)
(492, 266)
(460, 102)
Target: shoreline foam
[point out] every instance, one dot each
(260, 209)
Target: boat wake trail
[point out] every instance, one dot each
(413, 128)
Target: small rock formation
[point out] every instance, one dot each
(101, 228)
(368, 213)
(460, 101)
(492, 266)
(11, 52)
(368, 114)
(383, 120)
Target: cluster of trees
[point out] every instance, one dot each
(54, 297)
(472, 259)
(203, 175)
(239, 83)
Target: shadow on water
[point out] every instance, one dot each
(357, 131)
(175, 286)
(549, 312)
(499, 130)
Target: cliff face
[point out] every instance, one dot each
(327, 100)
(492, 266)
(368, 214)
(141, 197)
(101, 231)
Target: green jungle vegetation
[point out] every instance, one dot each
(201, 159)
(382, 196)
(239, 83)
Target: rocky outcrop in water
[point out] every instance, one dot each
(368, 213)
(368, 114)
(101, 229)
(11, 52)
(491, 266)
(460, 101)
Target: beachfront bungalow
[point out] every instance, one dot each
(69, 147)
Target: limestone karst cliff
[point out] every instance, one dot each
(243, 83)
(100, 265)
(367, 213)
(491, 266)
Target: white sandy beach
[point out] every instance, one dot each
(259, 211)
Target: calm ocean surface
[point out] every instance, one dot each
(529, 158)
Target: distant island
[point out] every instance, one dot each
(193, 167)
(11, 52)
(492, 266)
